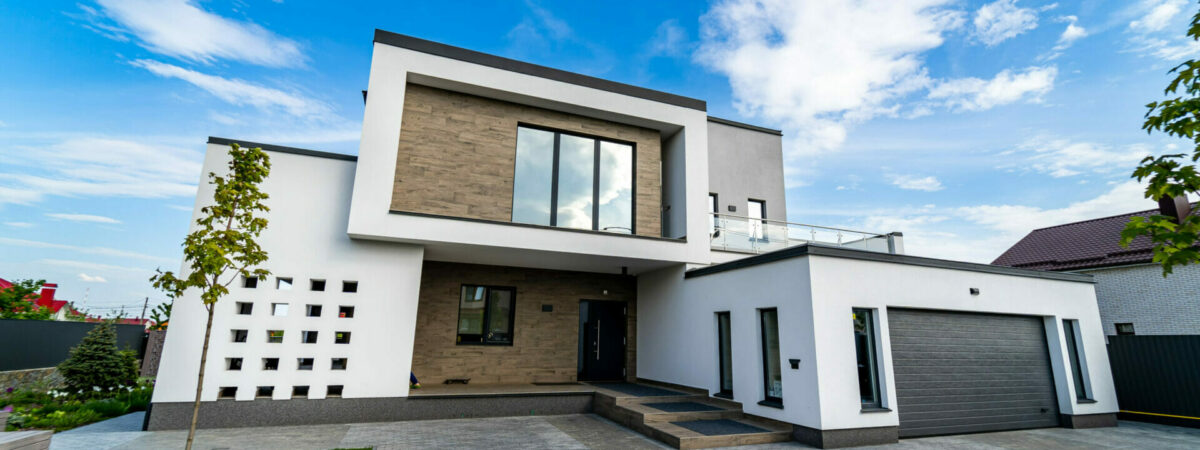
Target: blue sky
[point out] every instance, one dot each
(964, 124)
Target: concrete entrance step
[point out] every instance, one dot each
(689, 420)
(711, 433)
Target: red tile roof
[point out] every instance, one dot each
(1079, 245)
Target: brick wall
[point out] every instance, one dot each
(545, 344)
(1155, 305)
(457, 154)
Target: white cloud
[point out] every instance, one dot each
(97, 167)
(1017, 220)
(815, 67)
(1001, 20)
(91, 265)
(1158, 14)
(974, 94)
(669, 39)
(917, 183)
(240, 92)
(100, 251)
(184, 30)
(83, 218)
(1073, 33)
(91, 278)
(1063, 157)
(19, 224)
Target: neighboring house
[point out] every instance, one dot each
(516, 225)
(1134, 296)
(45, 299)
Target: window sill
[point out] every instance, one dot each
(486, 344)
(1084, 400)
(874, 409)
(771, 404)
(728, 396)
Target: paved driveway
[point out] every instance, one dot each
(581, 431)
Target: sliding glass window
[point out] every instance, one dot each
(573, 181)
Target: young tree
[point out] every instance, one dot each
(223, 247)
(18, 301)
(1172, 176)
(159, 316)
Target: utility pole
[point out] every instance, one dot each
(142, 318)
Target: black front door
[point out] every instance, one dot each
(602, 333)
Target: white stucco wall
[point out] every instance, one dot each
(814, 296)
(306, 239)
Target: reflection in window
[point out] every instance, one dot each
(1074, 352)
(772, 371)
(485, 315)
(594, 187)
(755, 211)
(864, 344)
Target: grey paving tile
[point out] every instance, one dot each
(599, 433)
(492, 433)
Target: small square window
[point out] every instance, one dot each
(299, 391)
(233, 363)
(250, 282)
(316, 285)
(333, 390)
(349, 286)
(283, 284)
(244, 308)
(1125, 329)
(313, 310)
(265, 392)
(338, 364)
(227, 392)
(274, 336)
(270, 363)
(345, 312)
(279, 309)
(239, 335)
(308, 337)
(304, 363)
(341, 337)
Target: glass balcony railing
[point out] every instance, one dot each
(743, 234)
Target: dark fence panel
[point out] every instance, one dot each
(33, 344)
(1157, 378)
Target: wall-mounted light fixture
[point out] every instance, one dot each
(974, 291)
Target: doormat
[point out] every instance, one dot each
(682, 407)
(637, 390)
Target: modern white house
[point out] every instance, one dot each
(515, 236)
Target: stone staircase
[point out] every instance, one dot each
(684, 420)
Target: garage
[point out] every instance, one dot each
(966, 373)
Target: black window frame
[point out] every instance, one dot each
(1075, 357)
(595, 176)
(715, 202)
(479, 339)
(871, 352)
(762, 220)
(722, 349)
(1131, 332)
(769, 400)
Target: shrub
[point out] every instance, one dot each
(63, 420)
(109, 407)
(96, 365)
(139, 399)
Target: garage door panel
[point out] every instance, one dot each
(962, 372)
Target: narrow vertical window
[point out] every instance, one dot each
(772, 371)
(615, 194)
(533, 176)
(724, 355)
(756, 211)
(712, 219)
(864, 345)
(1074, 352)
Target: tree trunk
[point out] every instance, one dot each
(200, 379)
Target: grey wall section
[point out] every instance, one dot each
(1157, 375)
(746, 164)
(674, 187)
(32, 344)
(264, 412)
(1153, 304)
(967, 373)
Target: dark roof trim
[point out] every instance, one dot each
(512, 65)
(744, 125)
(840, 252)
(282, 149)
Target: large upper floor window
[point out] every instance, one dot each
(573, 181)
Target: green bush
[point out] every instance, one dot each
(139, 399)
(109, 407)
(63, 420)
(96, 366)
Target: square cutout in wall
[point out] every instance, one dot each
(270, 363)
(299, 391)
(333, 390)
(341, 337)
(308, 337)
(250, 282)
(338, 364)
(274, 336)
(350, 286)
(304, 363)
(245, 308)
(227, 392)
(316, 285)
(239, 335)
(265, 392)
(313, 310)
(233, 363)
(279, 309)
(283, 284)
(345, 312)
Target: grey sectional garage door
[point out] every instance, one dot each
(967, 373)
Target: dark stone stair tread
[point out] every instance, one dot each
(676, 407)
(637, 390)
(719, 427)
